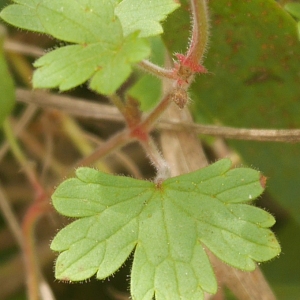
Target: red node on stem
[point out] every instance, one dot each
(189, 63)
(185, 68)
(140, 134)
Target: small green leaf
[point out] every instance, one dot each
(106, 33)
(107, 65)
(7, 91)
(144, 16)
(102, 52)
(166, 225)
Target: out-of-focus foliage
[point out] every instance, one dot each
(7, 96)
(294, 9)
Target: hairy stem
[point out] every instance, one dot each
(153, 69)
(117, 101)
(33, 275)
(200, 31)
(162, 167)
(152, 118)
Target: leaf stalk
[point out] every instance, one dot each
(161, 165)
(156, 70)
(200, 31)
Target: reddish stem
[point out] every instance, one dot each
(199, 31)
(191, 62)
(39, 207)
(151, 119)
(118, 140)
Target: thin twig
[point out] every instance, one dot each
(34, 145)
(78, 107)
(11, 218)
(21, 125)
(115, 142)
(263, 135)
(79, 140)
(124, 159)
(154, 116)
(11, 276)
(26, 49)
(117, 101)
(39, 207)
(19, 155)
(36, 210)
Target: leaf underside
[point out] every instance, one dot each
(107, 38)
(167, 227)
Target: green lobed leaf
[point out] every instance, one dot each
(107, 45)
(166, 225)
(144, 16)
(7, 91)
(103, 54)
(107, 65)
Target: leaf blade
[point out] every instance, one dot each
(99, 52)
(168, 225)
(145, 16)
